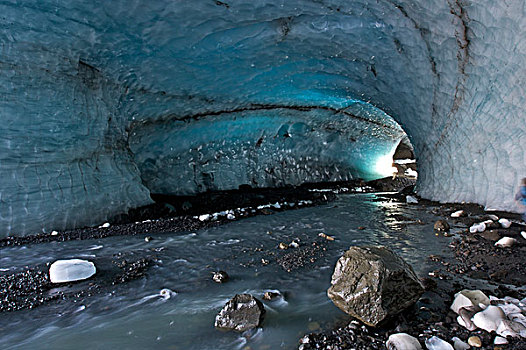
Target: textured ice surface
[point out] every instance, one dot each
(101, 102)
(262, 149)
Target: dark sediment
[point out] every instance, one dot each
(31, 287)
(177, 214)
(296, 258)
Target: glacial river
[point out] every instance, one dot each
(133, 316)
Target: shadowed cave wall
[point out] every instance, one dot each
(104, 102)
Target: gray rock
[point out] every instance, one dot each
(241, 313)
(220, 277)
(373, 283)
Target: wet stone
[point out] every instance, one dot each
(241, 313)
(220, 277)
(373, 283)
(271, 296)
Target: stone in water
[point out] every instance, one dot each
(241, 313)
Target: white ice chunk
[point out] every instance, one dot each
(469, 298)
(402, 341)
(204, 217)
(505, 223)
(489, 319)
(458, 214)
(411, 199)
(458, 344)
(71, 270)
(500, 340)
(505, 242)
(435, 343)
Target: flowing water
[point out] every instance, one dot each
(133, 316)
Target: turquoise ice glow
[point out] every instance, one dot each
(82, 81)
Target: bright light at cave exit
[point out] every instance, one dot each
(384, 165)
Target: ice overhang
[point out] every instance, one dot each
(82, 82)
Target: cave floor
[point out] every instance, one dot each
(121, 303)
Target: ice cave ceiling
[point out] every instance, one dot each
(103, 102)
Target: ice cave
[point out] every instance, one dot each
(104, 103)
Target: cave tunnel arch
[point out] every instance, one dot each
(78, 77)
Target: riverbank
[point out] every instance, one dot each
(255, 258)
(478, 263)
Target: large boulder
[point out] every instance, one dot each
(241, 313)
(373, 283)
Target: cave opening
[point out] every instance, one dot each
(265, 153)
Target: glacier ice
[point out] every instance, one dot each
(103, 103)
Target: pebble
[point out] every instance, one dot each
(505, 242)
(402, 341)
(230, 216)
(166, 293)
(220, 277)
(523, 234)
(458, 214)
(480, 227)
(327, 237)
(71, 270)
(435, 343)
(283, 246)
(475, 341)
(204, 217)
(294, 244)
(441, 226)
(458, 344)
(270, 295)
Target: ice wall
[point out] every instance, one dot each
(102, 102)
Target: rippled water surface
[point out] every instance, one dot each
(132, 316)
